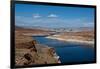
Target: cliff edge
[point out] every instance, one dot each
(29, 52)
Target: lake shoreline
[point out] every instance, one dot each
(70, 40)
(66, 51)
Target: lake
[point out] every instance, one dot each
(69, 52)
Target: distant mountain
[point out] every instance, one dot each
(18, 27)
(57, 29)
(33, 27)
(85, 28)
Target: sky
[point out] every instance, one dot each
(47, 16)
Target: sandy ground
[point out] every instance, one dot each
(80, 37)
(71, 40)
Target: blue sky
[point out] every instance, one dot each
(53, 16)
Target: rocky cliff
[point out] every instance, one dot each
(29, 52)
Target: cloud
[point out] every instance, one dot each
(52, 16)
(36, 16)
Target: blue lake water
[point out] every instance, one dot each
(69, 52)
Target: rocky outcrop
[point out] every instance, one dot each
(29, 52)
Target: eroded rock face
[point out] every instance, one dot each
(29, 52)
(31, 56)
(26, 59)
(51, 52)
